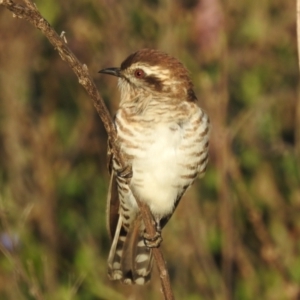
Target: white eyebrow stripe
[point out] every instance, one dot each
(152, 70)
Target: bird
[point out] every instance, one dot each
(163, 136)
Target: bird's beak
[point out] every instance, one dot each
(111, 71)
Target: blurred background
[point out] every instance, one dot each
(236, 233)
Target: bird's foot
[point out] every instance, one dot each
(153, 241)
(124, 173)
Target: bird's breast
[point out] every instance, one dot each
(164, 156)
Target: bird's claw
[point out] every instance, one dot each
(125, 172)
(153, 241)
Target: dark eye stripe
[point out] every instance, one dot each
(154, 81)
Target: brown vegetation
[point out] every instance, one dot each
(236, 233)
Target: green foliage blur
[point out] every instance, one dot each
(236, 233)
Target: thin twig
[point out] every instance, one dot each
(298, 30)
(297, 118)
(269, 251)
(30, 13)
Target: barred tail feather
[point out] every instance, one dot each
(129, 261)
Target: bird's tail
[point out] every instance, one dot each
(130, 261)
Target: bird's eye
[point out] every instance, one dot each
(139, 73)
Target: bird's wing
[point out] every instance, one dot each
(112, 206)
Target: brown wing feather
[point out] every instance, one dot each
(112, 206)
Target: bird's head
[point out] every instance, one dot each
(152, 72)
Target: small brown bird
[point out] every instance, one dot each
(163, 135)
